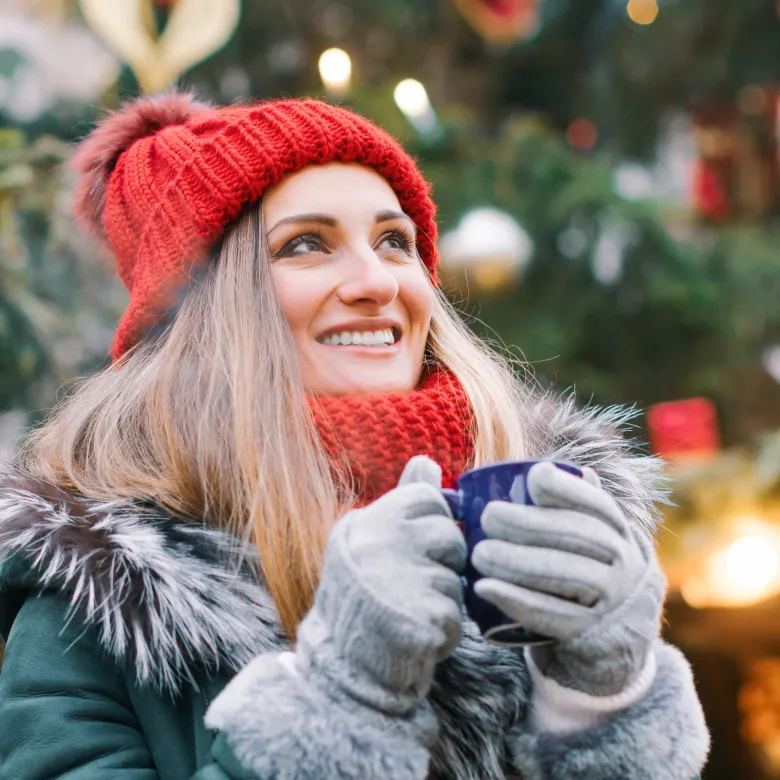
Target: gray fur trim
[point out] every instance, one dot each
(306, 734)
(164, 595)
(661, 737)
(478, 694)
(162, 590)
(596, 437)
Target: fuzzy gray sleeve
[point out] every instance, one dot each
(662, 736)
(281, 726)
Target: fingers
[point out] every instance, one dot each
(415, 499)
(430, 598)
(429, 521)
(557, 529)
(590, 476)
(425, 522)
(421, 469)
(537, 612)
(440, 540)
(448, 584)
(436, 621)
(556, 573)
(448, 617)
(550, 486)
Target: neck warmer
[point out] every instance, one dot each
(378, 434)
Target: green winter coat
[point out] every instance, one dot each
(93, 721)
(124, 624)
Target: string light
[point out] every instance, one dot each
(335, 67)
(412, 99)
(752, 563)
(752, 100)
(642, 11)
(740, 571)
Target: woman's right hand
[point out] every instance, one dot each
(388, 607)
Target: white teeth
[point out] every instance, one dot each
(377, 338)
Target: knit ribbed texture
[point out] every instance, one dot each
(380, 433)
(163, 177)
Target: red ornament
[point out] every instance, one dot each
(710, 197)
(684, 429)
(582, 134)
(501, 21)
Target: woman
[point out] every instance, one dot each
(284, 356)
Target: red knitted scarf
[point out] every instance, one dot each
(380, 433)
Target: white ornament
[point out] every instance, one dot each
(57, 63)
(771, 361)
(487, 235)
(195, 30)
(609, 252)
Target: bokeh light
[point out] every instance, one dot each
(335, 67)
(752, 562)
(582, 134)
(412, 98)
(642, 11)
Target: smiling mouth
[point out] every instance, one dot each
(384, 337)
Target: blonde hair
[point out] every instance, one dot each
(208, 417)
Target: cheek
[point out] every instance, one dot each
(418, 297)
(299, 300)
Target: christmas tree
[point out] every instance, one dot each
(606, 129)
(607, 178)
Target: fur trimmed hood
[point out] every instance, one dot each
(171, 597)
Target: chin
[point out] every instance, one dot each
(371, 382)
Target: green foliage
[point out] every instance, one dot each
(645, 337)
(56, 304)
(688, 315)
(693, 308)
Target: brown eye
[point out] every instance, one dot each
(398, 241)
(301, 245)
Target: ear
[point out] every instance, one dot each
(97, 156)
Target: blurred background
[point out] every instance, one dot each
(608, 179)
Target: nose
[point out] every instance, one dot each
(369, 281)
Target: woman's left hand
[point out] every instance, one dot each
(574, 569)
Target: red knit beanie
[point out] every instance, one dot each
(164, 176)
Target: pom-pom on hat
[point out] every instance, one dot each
(162, 178)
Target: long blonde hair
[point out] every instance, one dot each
(208, 417)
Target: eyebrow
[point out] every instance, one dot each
(390, 215)
(330, 221)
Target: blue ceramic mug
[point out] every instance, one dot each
(498, 482)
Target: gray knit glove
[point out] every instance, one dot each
(573, 568)
(388, 607)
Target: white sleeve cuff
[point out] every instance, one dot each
(560, 710)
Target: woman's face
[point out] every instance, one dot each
(355, 295)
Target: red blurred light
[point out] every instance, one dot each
(582, 134)
(510, 8)
(680, 429)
